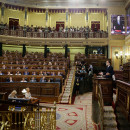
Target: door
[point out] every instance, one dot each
(13, 23)
(95, 25)
(59, 25)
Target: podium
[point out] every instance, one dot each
(107, 89)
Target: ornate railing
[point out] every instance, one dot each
(42, 119)
(21, 33)
(72, 85)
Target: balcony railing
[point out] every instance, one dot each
(56, 34)
(42, 119)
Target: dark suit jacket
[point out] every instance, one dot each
(109, 70)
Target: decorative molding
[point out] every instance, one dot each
(54, 41)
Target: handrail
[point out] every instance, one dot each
(101, 106)
(72, 85)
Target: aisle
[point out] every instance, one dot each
(77, 116)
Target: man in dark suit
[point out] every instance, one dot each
(109, 70)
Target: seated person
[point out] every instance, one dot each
(59, 73)
(34, 73)
(45, 73)
(10, 79)
(24, 67)
(44, 67)
(39, 63)
(18, 73)
(63, 68)
(13, 94)
(83, 70)
(11, 67)
(26, 73)
(57, 67)
(1, 73)
(90, 69)
(33, 80)
(23, 80)
(51, 68)
(49, 63)
(18, 68)
(52, 73)
(121, 68)
(44, 63)
(28, 94)
(41, 73)
(43, 80)
(4, 67)
(17, 62)
(9, 73)
(39, 67)
(49, 80)
(55, 63)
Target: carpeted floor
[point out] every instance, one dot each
(77, 116)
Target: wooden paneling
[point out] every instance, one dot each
(123, 97)
(46, 92)
(107, 89)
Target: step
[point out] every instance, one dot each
(67, 91)
(110, 123)
(109, 116)
(108, 128)
(66, 94)
(108, 109)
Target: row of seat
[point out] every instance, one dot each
(31, 72)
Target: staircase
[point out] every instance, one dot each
(68, 88)
(109, 117)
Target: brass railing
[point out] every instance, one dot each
(42, 119)
(72, 85)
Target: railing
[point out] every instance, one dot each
(101, 106)
(21, 33)
(42, 119)
(72, 85)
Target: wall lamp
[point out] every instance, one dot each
(117, 55)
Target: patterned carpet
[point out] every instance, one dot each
(77, 116)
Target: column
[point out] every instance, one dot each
(66, 17)
(0, 49)
(24, 50)
(107, 22)
(2, 12)
(45, 51)
(69, 19)
(66, 51)
(86, 17)
(25, 16)
(46, 17)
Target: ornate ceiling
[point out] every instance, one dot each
(66, 3)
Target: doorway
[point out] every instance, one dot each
(95, 26)
(13, 23)
(60, 25)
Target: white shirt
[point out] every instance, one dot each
(28, 95)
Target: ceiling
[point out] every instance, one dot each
(66, 3)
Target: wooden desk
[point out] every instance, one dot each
(123, 97)
(47, 92)
(107, 89)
